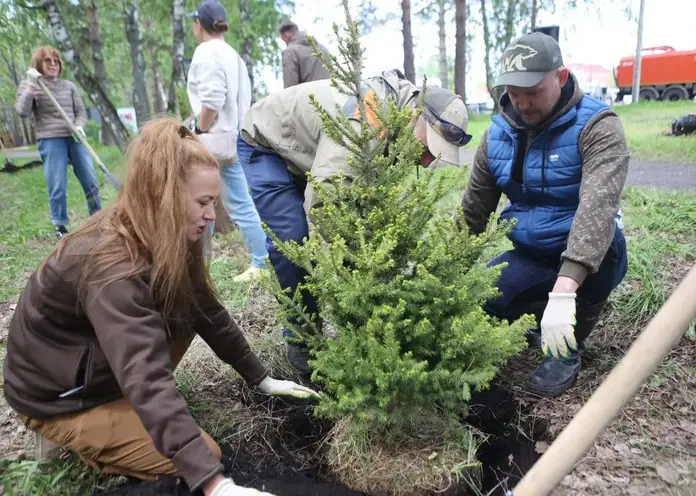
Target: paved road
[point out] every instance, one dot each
(640, 173)
(663, 175)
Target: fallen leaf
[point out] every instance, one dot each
(667, 474)
(541, 447)
(432, 455)
(621, 448)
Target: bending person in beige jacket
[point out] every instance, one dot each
(282, 140)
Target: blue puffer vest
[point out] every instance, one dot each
(545, 203)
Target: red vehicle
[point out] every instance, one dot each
(665, 74)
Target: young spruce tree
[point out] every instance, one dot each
(398, 279)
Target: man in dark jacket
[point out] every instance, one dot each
(299, 63)
(561, 159)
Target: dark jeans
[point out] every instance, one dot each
(527, 280)
(279, 197)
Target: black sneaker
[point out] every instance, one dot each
(61, 232)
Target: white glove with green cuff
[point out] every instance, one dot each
(228, 488)
(558, 325)
(286, 388)
(33, 77)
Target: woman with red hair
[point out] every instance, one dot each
(106, 318)
(57, 145)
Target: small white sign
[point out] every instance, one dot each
(127, 116)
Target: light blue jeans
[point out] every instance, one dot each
(55, 155)
(240, 207)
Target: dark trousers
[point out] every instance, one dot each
(527, 280)
(279, 198)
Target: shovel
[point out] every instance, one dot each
(110, 178)
(643, 357)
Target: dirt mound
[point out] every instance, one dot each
(287, 461)
(283, 460)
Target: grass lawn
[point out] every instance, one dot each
(649, 449)
(645, 125)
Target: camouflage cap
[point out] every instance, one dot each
(528, 60)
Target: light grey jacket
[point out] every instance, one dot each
(49, 123)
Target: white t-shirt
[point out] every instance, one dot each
(218, 79)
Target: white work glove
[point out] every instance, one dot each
(558, 325)
(228, 488)
(286, 388)
(81, 132)
(33, 77)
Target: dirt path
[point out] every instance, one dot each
(645, 173)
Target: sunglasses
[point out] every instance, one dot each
(451, 132)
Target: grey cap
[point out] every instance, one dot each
(528, 60)
(209, 12)
(446, 120)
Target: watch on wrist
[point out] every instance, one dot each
(199, 130)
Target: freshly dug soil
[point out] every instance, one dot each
(287, 462)
(283, 462)
(508, 454)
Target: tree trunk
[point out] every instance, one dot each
(157, 94)
(86, 79)
(488, 45)
(409, 67)
(460, 49)
(98, 61)
(442, 32)
(535, 13)
(247, 44)
(135, 39)
(178, 78)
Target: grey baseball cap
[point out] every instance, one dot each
(208, 12)
(528, 60)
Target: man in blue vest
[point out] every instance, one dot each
(560, 157)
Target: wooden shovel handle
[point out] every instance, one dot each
(654, 343)
(73, 128)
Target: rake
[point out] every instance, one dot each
(110, 178)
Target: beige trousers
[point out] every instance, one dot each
(111, 438)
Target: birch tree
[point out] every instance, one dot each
(135, 39)
(87, 80)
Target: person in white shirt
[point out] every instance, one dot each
(219, 91)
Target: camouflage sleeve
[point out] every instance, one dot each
(605, 158)
(481, 196)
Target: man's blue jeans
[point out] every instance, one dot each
(240, 207)
(55, 155)
(279, 197)
(528, 279)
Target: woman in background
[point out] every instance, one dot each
(57, 145)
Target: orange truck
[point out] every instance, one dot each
(665, 74)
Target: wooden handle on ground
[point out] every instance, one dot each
(643, 357)
(74, 130)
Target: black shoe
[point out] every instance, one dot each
(61, 232)
(298, 357)
(555, 376)
(534, 337)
